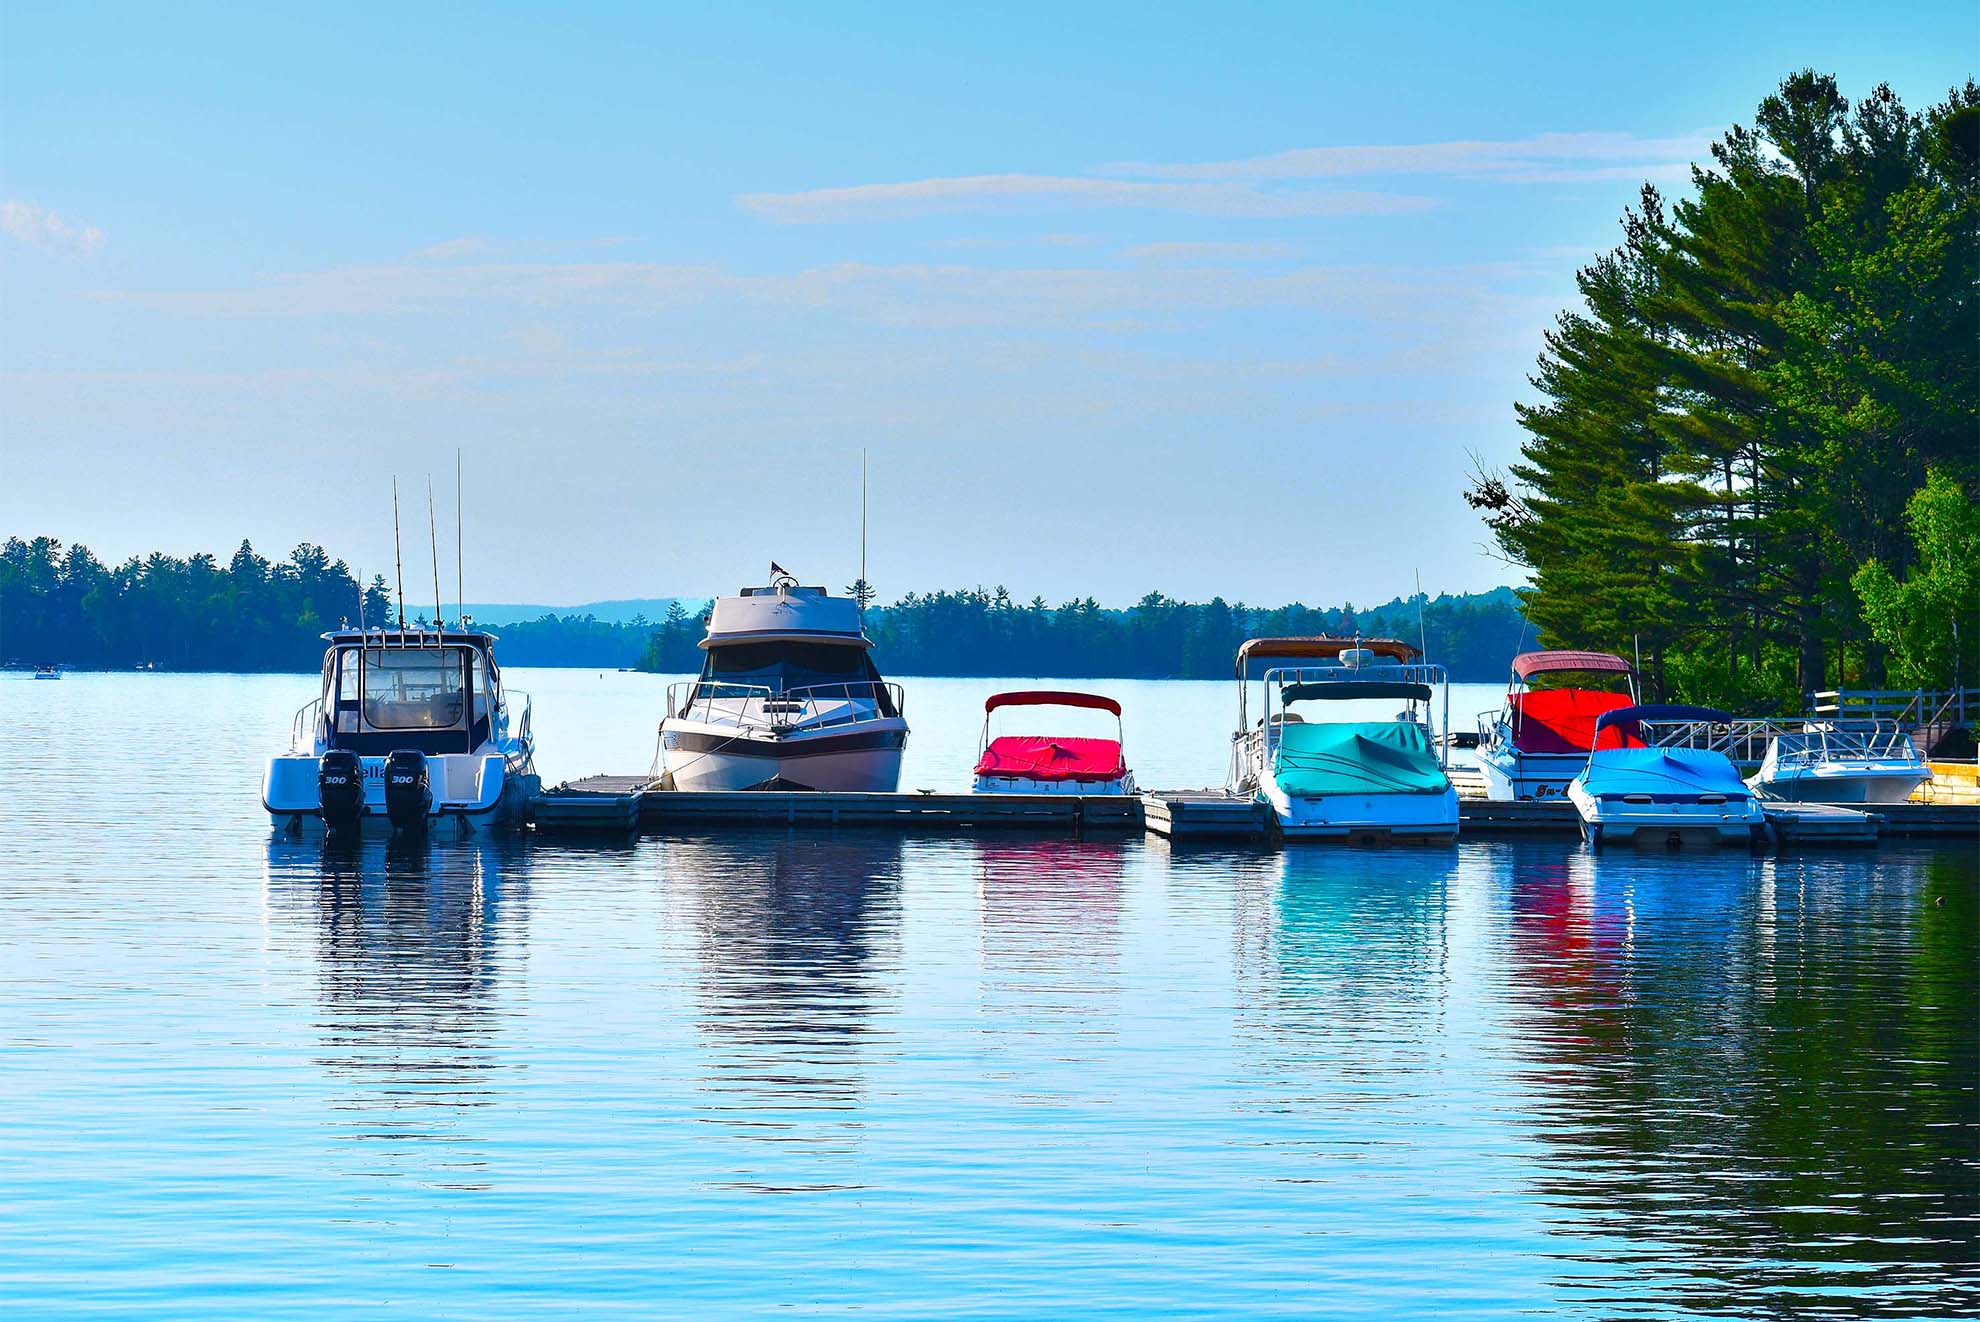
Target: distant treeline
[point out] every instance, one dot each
(976, 631)
(61, 604)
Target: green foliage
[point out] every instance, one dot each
(1755, 385)
(1919, 618)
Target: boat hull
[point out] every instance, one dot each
(698, 756)
(1026, 785)
(1364, 817)
(1843, 785)
(1511, 775)
(1670, 824)
(476, 793)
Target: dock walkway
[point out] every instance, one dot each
(624, 804)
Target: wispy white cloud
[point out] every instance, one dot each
(1615, 154)
(991, 192)
(1239, 251)
(39, 227)
(1279, 186)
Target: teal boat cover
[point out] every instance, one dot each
(1357, 757)
(1667, 775)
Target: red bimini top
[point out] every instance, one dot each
(1043, 757)
(1528, 664)
(1563, 721)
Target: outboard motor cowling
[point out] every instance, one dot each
(407, 794)
(340, 789)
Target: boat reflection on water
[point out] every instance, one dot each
(1708, 1060)
(797, 943)
(410, 944)
(1341, 950)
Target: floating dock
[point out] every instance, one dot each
(624, 805)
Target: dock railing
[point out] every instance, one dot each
(1744, 740)
(1928, 713)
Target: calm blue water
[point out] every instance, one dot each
(753, 1073)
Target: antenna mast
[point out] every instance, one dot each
(865, 588)
(460, 567)
(1422, 630)
(433, 535)
(398, 556)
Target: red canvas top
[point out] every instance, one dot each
(1051, 698)
(1563, 721)
(1043, 757)
(1528, 664)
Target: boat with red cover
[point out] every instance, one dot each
(1051, 764)
(1540, 740)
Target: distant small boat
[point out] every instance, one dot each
(1841, 762)
(48, 672)
(1344, 780)
(1540, 739)
(1051, 764)
(1663, 796)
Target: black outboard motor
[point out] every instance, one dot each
(407, 796)
(340, 789)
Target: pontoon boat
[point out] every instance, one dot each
(1842, 762)
(1051, 764)
(1663, 796)
(1540, 740)
(413, 729)
(1344, 779)
(788, 698)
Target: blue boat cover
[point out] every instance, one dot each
(1668, 775)
(1357, 757)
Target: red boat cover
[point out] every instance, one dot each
(1051, 698)
(1528, 664)
(1563, 721)
(1042, 757)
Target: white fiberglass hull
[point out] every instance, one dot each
(1843, 782)
(1363, 816)
(1669, 824)
(472, 792)
(709, 756)
(1511, 775)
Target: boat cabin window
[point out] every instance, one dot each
(784, 666)
(414, 688)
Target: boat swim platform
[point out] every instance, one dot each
(626, 804)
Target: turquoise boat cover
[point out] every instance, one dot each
(1357, 757)
(1668, 775)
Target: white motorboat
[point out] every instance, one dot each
(1841, 762)
(1344, 779)
(1051, 764)
(48, 672)
(413, 730)
(788, 698)
(1540, 739)
(1666, 797)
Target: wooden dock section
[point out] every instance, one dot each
(623, 804)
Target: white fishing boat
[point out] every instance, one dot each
(1540, 739)
(1841, 762)
(1344, 779)
(412, 730)
(788, 698)
(1052, 764)
(1663, 797)
(48, 672)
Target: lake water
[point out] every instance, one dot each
(748, 1073)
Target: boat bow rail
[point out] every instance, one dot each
(808, 707)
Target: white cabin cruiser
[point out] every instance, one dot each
(1841, 762)
(1633, 793)
(412, 731)
(1344, 779)
(1540, 739)
(788, 698)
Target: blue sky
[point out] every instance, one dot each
(1128, 297)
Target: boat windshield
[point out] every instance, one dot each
(414, 688)
(783, 666)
